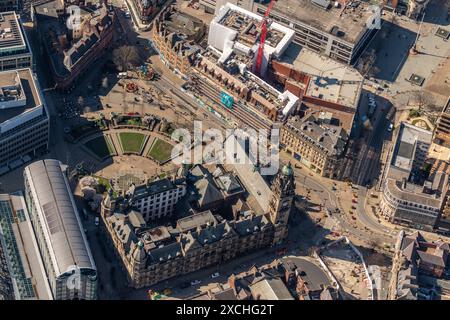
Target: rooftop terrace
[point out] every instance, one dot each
(18, 94)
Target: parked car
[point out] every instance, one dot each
(391, 126)
(97, 221)
(195, 282)
(215, 275)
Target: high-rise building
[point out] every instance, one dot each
(338, 29)
(62, 243)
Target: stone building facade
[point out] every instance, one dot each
(151, 255)
(316, 144)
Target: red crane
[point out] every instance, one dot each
(262, 39)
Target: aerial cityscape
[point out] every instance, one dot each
(233, 150)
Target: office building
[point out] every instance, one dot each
(71, 51)
(154, 200)
(339, 29)
(316, 142)
(442, 130)
(15, 50)
(24, 119)
(145, 10)
(174, 35)
(406, 199)
(62, 243)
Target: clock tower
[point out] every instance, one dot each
(280, 203)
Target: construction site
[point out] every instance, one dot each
(346, 265)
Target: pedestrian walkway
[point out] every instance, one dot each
(116, 143)
(148, 145)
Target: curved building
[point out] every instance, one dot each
(406, 203)
(64, 249)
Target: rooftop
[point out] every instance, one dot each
(30, 279)
(235, 66)
(252, 180)
(19, 95)
(11, 36)
(405, 147)
(152, 188)
(346, 22)
(331, 138)
(270, 289)
(248, 28)
(330, 80)
(177, 21)
(67, 242)
(67, 47)
(196, 220)
(236, 28)
(413, 194)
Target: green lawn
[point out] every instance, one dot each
(132, 142)
(160, 150)
(100, 146)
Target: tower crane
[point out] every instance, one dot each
(262, 39)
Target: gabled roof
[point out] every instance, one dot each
(189, 242)
(227, 294)
(247, 226)
(212, 233)
(431, 259)
(167, 252)
(270, 289)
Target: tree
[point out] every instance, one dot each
(126, 57)
(424, 101)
